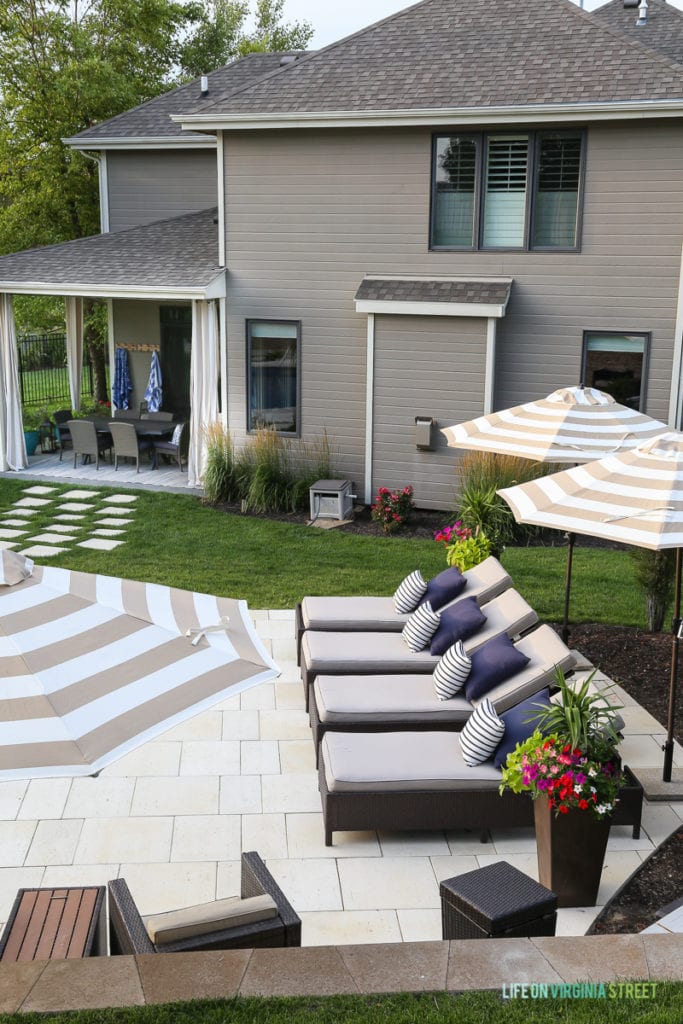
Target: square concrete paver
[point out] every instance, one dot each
(54, 842)
(70, 517)
(100, 544)
(25, 523)
(50, 538)
(240, 794)
(386, 883)
(110, 521)
(212, 837)
(310, 884)
(8, 545)
(108, 533)
(12, 534)
(114, 510)
(176, 795)
(34, 503)
(64, 528)
(80, 495)
(43, 551)
(11, 796)
(103, 797)
(137, 840)
(122, 499)
(75, 506)
(45, 798)
(39, 489)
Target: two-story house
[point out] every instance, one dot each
(459, 208)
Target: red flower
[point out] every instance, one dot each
(583, 804)
(564, 810)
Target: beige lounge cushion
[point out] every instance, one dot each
(343, 614)
(398, 761)
(335, 652)
(209, 917)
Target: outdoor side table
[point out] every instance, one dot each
(496, 901)
(55, 924)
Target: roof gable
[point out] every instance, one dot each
(443, 54)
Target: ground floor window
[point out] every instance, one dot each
(617, 363)
(273, 375)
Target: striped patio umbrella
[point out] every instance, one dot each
(634, 497)
(574, 424)
(93, 666)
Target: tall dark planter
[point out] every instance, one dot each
(571, 851)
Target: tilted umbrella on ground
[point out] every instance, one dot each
(633, 497)
(93, 666)
(574, 424)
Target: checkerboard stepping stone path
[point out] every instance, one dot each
(70, 516)
(108, 533)
(121, 499)
(50, 538)
(40, 490)
(113, 522)
(79, 495)
(114, 511)
(64, 528)
(17, 522)
(100, 544)
(14, 511)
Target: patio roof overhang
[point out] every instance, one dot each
(175, 258)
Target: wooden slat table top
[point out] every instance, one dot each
(47, 924)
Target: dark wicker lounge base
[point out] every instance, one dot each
(438, 810)
(128, 935)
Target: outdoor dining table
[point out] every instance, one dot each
(143, 428)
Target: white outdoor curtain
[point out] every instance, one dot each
(12, 447)
(74, 347)
(203, 385)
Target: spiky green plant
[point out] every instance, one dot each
(221, 481)
(582, 717)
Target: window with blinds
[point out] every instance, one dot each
(516, 190)
(507, 159)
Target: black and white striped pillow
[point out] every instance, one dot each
(420, 627)
(450, 675)
(409, 593)
(482, 733)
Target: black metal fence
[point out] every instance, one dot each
(43, 377)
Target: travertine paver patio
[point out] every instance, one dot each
(173, 816)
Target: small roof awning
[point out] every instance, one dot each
(436, 296)
(171, 258)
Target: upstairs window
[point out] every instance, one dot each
(508, 190)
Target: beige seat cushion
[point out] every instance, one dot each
(338, 653)
(485, 581)
(209, 917)
(398, 761)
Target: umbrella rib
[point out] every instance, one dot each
(638, 512)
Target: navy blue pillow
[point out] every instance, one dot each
(458, 622)
(517, 728)
(444, 588)
(493, 663)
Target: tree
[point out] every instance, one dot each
(66, 65)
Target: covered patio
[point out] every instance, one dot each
(136, 270)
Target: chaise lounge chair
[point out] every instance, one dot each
(388, 703)
(129, 934)
(378, 614)
(399, 781)
(343, 653)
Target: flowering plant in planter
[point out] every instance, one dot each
(464, 548)
(571, 757)
(392, 508)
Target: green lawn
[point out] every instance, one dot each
(429, 1008)
(177, 540)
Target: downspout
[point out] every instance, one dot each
(222, 304)
(369, 407)
(103, 183)
(220, 174)
(676, 396)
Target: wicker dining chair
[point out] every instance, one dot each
(173, 447)
(128, 934)
(127, 444)
(87, 442)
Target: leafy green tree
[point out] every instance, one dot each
(66, 65)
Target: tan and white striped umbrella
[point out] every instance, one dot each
(634, 497)
(93, 666)
(571, 425)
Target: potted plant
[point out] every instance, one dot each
(571, 768)
(32, 418)
(464, 548)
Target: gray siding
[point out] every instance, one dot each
(145, 186)
(309, 213)
(424, 366)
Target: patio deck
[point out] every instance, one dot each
(48, 468)
(173, 817)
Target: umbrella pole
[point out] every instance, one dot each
(676, 630)
(567, 586)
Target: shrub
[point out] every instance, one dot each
(464, 549)
(392, 508)
(654, 572)
(480, 475)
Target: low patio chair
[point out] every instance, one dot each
(87, 442)
(61, 419)
(173, 447)
(207, 926)
(127, 444)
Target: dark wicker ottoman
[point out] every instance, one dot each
(497, 901)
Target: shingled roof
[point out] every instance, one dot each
(662, 32)
(151, 120)
(446, 54)
(475, 291)
(178, 256)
